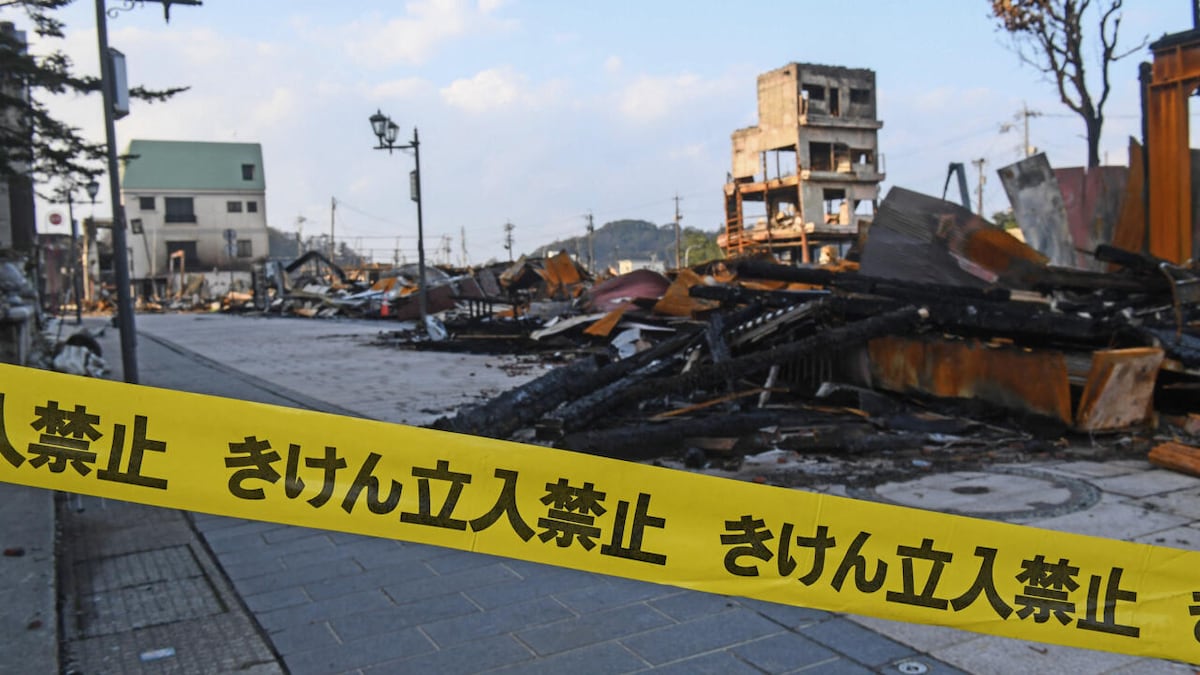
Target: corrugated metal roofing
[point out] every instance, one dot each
(192, 165)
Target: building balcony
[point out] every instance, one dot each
(180, 218)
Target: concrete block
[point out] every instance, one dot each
(271, 600)
(361, 624)
(1111, 516)
(366, 652)
(274, 581)
(713, 663)
(302, 638)
(428, 587)
(516, 590)
(788, 616)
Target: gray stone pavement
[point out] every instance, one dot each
(330, 602)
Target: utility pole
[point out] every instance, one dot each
(463, 240)
(332, 219)
(300, 220)
(982, 179)
(591, 230)
(1026, 113)
(508, 239)
(677, 245)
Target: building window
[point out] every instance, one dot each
(146, 203)
(180, 210)
(251, 207)
(860, 96)
(247, 172)
(233, 207)
(244, 248)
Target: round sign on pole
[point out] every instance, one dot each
(56, 218)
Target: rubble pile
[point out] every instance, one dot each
(947, 333)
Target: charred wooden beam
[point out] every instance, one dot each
(647, 441)
(898, 322)
(515, 408)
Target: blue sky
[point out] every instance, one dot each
(539, 111)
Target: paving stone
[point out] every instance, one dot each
(362, 653)
(274, 581)
(1184, 503)
(303, 637)
(284, 597)
(473, 657)
(236, 543)
(1146, 483)
(788, 616)
(461, 560)
(292, 553)
(1113, 514)
(784, 653)
(324, 610)
(284, 533)
(713, 663)
(592, 628)
(991, 654)
(362, 624)
(1187, 538)
(689, 605)
(366, 579)
(919, 636)
(604, 659)
(418, 589)
(612, 592)
(1087, 469)
(219, 528)
(858, 643)
(510, 619)
(517, 590)
(700, 635)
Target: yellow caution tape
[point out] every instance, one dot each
(248, 460)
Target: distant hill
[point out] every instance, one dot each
(638, 240)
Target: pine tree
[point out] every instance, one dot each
(33, 143)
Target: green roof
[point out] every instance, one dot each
(192, 165)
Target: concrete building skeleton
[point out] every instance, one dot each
(808, 174)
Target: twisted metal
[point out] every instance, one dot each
(124, 6)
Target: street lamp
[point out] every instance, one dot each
(386, 131)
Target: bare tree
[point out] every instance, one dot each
(1049, 35)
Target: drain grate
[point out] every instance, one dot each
(143, 589)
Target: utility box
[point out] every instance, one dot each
(120, 84)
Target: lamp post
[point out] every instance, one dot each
(108, 88)
(386, 130)
(76, 279)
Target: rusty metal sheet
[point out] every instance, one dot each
(605, 326)
(1019, 379)
(639, 284)
(561, 273)
(1092, 199)
(1130, 231)
(1119, 388)
(677, 302)
(1038, 207)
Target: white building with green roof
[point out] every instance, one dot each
(207, 200)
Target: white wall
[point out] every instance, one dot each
(212, 219)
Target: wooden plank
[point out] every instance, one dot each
(1119, 388)
(1176, 457)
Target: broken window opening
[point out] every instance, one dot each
(860, 96)
(820, 156)
(785, 163)
(864, 158)
(837, 209)
(835, 102)
(813, 92)
(841, 158)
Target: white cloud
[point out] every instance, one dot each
(404, 88)
(414, 37)
(499, 88)
(612, 65)
(650, 99)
